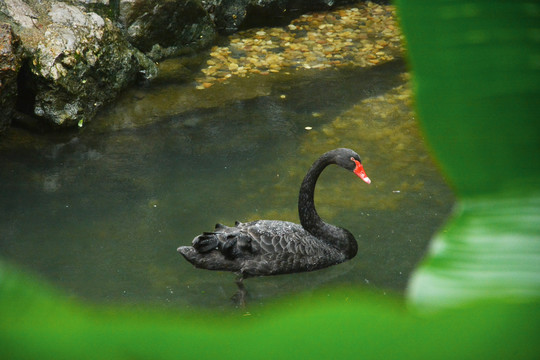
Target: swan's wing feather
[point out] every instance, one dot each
(273, 236)
(262, 247)
(282, 237)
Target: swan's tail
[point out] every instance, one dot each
(201, 246)
(217, 250)
(212, 260)
(206, 242)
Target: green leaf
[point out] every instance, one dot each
(476, 69)
(38, 323)
(489, 250)
(476, 72)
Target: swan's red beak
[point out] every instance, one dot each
(359, 171)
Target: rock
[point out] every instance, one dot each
(10, 62)
(232, 15)
(94, 2)
(20, 12)
(164, 28)
(75, 61)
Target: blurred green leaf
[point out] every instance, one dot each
(489, 250)
(38, 323)
(476, 68)
(476, 71)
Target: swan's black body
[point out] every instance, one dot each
(271, 247)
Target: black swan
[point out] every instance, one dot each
(272, 247)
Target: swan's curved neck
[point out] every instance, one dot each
(310, 219)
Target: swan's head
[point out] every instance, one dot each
(350, 160)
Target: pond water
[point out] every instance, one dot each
(100, 212)
(228, 135)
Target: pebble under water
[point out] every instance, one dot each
(100, 212)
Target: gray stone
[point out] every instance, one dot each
(76, 61)
(10, 63)
(232, 15)
(164, 28)
(20, 12)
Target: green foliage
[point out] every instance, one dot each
(37, 323)
(476, 72)
(489, 250)
(476, 67)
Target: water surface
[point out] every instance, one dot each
(100, 212)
